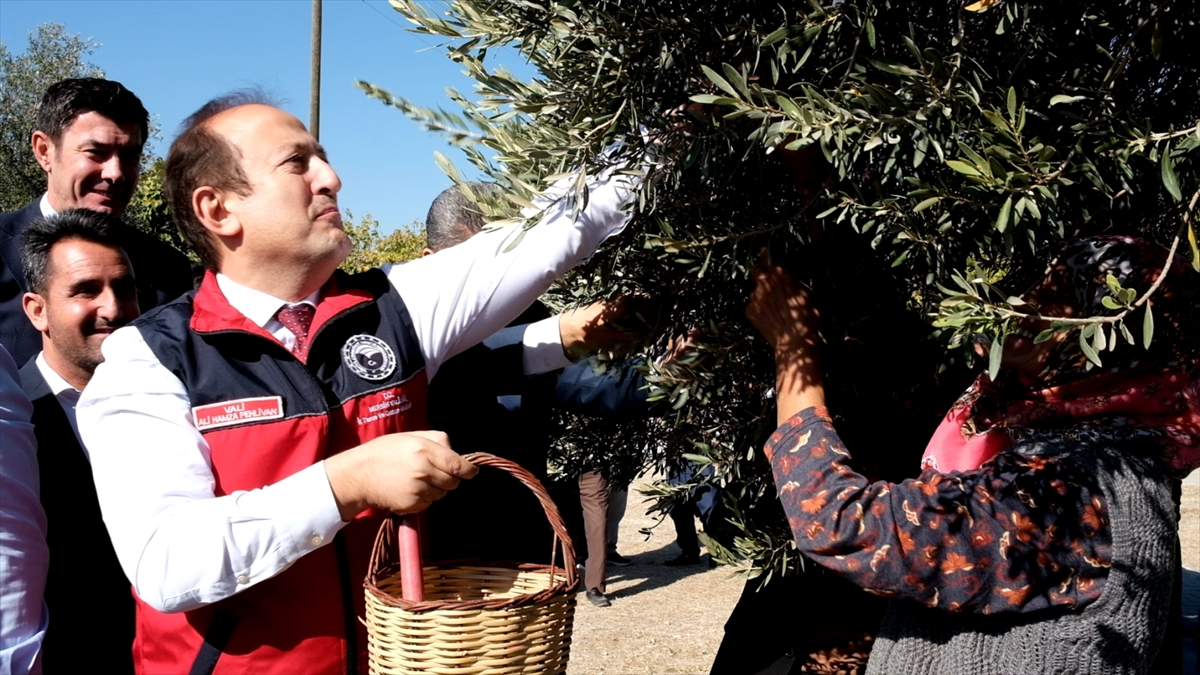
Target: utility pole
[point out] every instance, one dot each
(314, 106)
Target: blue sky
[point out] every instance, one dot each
(177, 54)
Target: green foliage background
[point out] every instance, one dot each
(372, 249)
(917, 162)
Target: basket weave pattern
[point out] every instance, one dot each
(478, 617)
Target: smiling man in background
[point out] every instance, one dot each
(81, 290)
(89, 138)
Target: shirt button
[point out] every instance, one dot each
(243, 579)
(317, 540)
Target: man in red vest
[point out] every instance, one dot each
(247, 439)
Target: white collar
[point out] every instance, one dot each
(52, 378)
(47, 210)
(255, 305)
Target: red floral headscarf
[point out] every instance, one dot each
(1150, 397)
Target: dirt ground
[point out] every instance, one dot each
(662, 619)
(669, 619)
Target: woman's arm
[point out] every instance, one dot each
(783, 312)
(1021, 534)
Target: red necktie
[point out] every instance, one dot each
(297, 319)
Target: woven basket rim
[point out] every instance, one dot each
(558, 586)
(563, 580)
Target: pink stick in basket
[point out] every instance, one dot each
(408, 532)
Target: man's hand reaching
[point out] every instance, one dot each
(586, 330)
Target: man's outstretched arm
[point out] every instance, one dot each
(465, 293)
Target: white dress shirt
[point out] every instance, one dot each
(542, 348)
(541, 343)
(67, 395)
(44, 205)
(180, 545)
(24, 556)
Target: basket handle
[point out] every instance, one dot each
(561, 537)
(390, 539)
(412, 581)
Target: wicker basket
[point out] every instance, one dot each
(478, 616)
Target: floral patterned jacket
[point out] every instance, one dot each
(1020, 534)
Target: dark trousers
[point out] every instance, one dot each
(683, 515)
(593, 497)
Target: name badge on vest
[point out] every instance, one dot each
(226, 413)
(369, 357)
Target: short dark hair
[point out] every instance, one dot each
(199, 157)
(44, 233)
(453, 217)
(67, 99)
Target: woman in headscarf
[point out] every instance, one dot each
(1041, 535)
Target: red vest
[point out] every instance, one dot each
(350, 390)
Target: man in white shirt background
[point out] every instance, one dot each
(82, 289)
(24, 557)
(243, 437)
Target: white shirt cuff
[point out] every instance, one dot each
(543, 349)
(304, 516)
(307, 512)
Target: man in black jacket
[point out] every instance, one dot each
(89, 138)
(81, 290)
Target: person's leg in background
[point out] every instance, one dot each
(593, 497)
(683, 514)
(617, 500)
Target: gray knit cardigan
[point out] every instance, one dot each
(1120, 632)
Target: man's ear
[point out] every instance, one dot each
(427, 251)
(208, 203)
(43, 147)
(35, 308)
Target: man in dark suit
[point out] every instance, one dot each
(82, 288)
(89, 139)
(497, 397)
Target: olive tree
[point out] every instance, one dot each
(916, 162)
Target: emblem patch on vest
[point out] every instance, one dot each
(369, 357)
(227, 413)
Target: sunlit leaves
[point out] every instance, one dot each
(371, 249)
(1194, 245)
(1169, 178)
(1147, 328)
